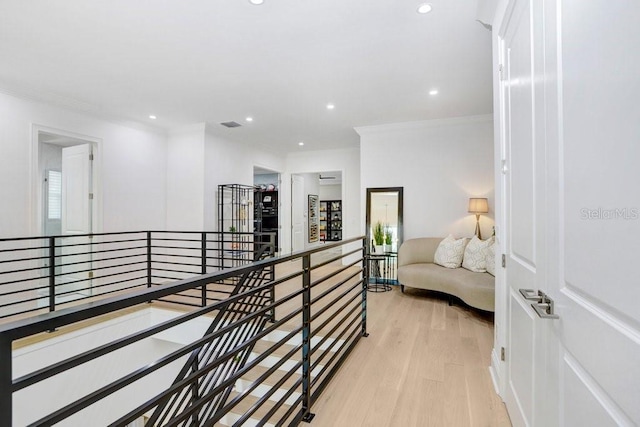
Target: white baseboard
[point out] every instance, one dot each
(496, 372)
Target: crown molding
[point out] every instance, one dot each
(422, 124)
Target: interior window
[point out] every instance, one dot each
(54, 194)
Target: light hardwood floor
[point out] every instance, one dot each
(425, 363)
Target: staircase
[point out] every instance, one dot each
(276, 387)
(205, 382)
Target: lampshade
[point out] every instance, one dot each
(478, 206)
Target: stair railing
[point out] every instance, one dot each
(287, 338)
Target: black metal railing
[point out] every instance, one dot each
(272, 347)
(40, 274)
(174, 407)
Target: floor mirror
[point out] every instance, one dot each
(384, 234)
(384, 218)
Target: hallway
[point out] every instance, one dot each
(424, 364)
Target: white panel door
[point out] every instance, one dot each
(593, 122)
(298, 212)
(525, 212)
(571, 129)
(76, 219)
(76, 186)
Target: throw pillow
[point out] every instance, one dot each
(449, 252)
(491, 259)
(475, 255)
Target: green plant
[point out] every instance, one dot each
(378, 234)
(388, 236)
(234, 237)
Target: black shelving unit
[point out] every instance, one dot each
(234, 213)
(331, 220)
(235, 219)
(266, 213)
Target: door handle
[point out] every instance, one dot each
(543, 305)
(530, 294)
(545, 310)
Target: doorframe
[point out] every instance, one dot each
(499, 360)
(293, 209)
(280, 239)
(346, 207)
(36, 196)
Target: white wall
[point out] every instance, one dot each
(131, 160)
(199, 160)
(345, 160)
(440, 164)
(75, 383)
(185, 178)
(228, 162)
(149, 180)
(331, 192)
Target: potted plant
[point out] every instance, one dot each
(378, 237)
(388, 239)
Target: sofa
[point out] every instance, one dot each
(416, 269)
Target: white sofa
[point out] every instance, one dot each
(416, 269)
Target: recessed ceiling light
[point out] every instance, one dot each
(249, 119)
(256, 2)
(301, 143)
(433, 92)
(424, 8)
(330, 106)
(152, 117)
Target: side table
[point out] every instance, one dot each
(377, 270)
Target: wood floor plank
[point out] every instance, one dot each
(380, 411)
(479, 401)
(456, 405)
(439, 318)
(467, 325)
(421, 404)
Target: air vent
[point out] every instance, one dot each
(231, 124)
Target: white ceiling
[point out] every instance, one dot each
(280, 63)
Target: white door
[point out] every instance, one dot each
(297, 213)
(76, 217)
(525, 205)
(571, 129)
(76, 189)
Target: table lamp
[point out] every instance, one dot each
(478, 206)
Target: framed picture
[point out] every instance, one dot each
(314, 218)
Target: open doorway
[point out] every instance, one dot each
(331, 206)
(326, 188)
(66, 174)
(65, 192)
(267, 203)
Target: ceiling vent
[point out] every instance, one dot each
(231, 124)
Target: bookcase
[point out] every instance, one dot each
(266, 213)
(331, 220)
